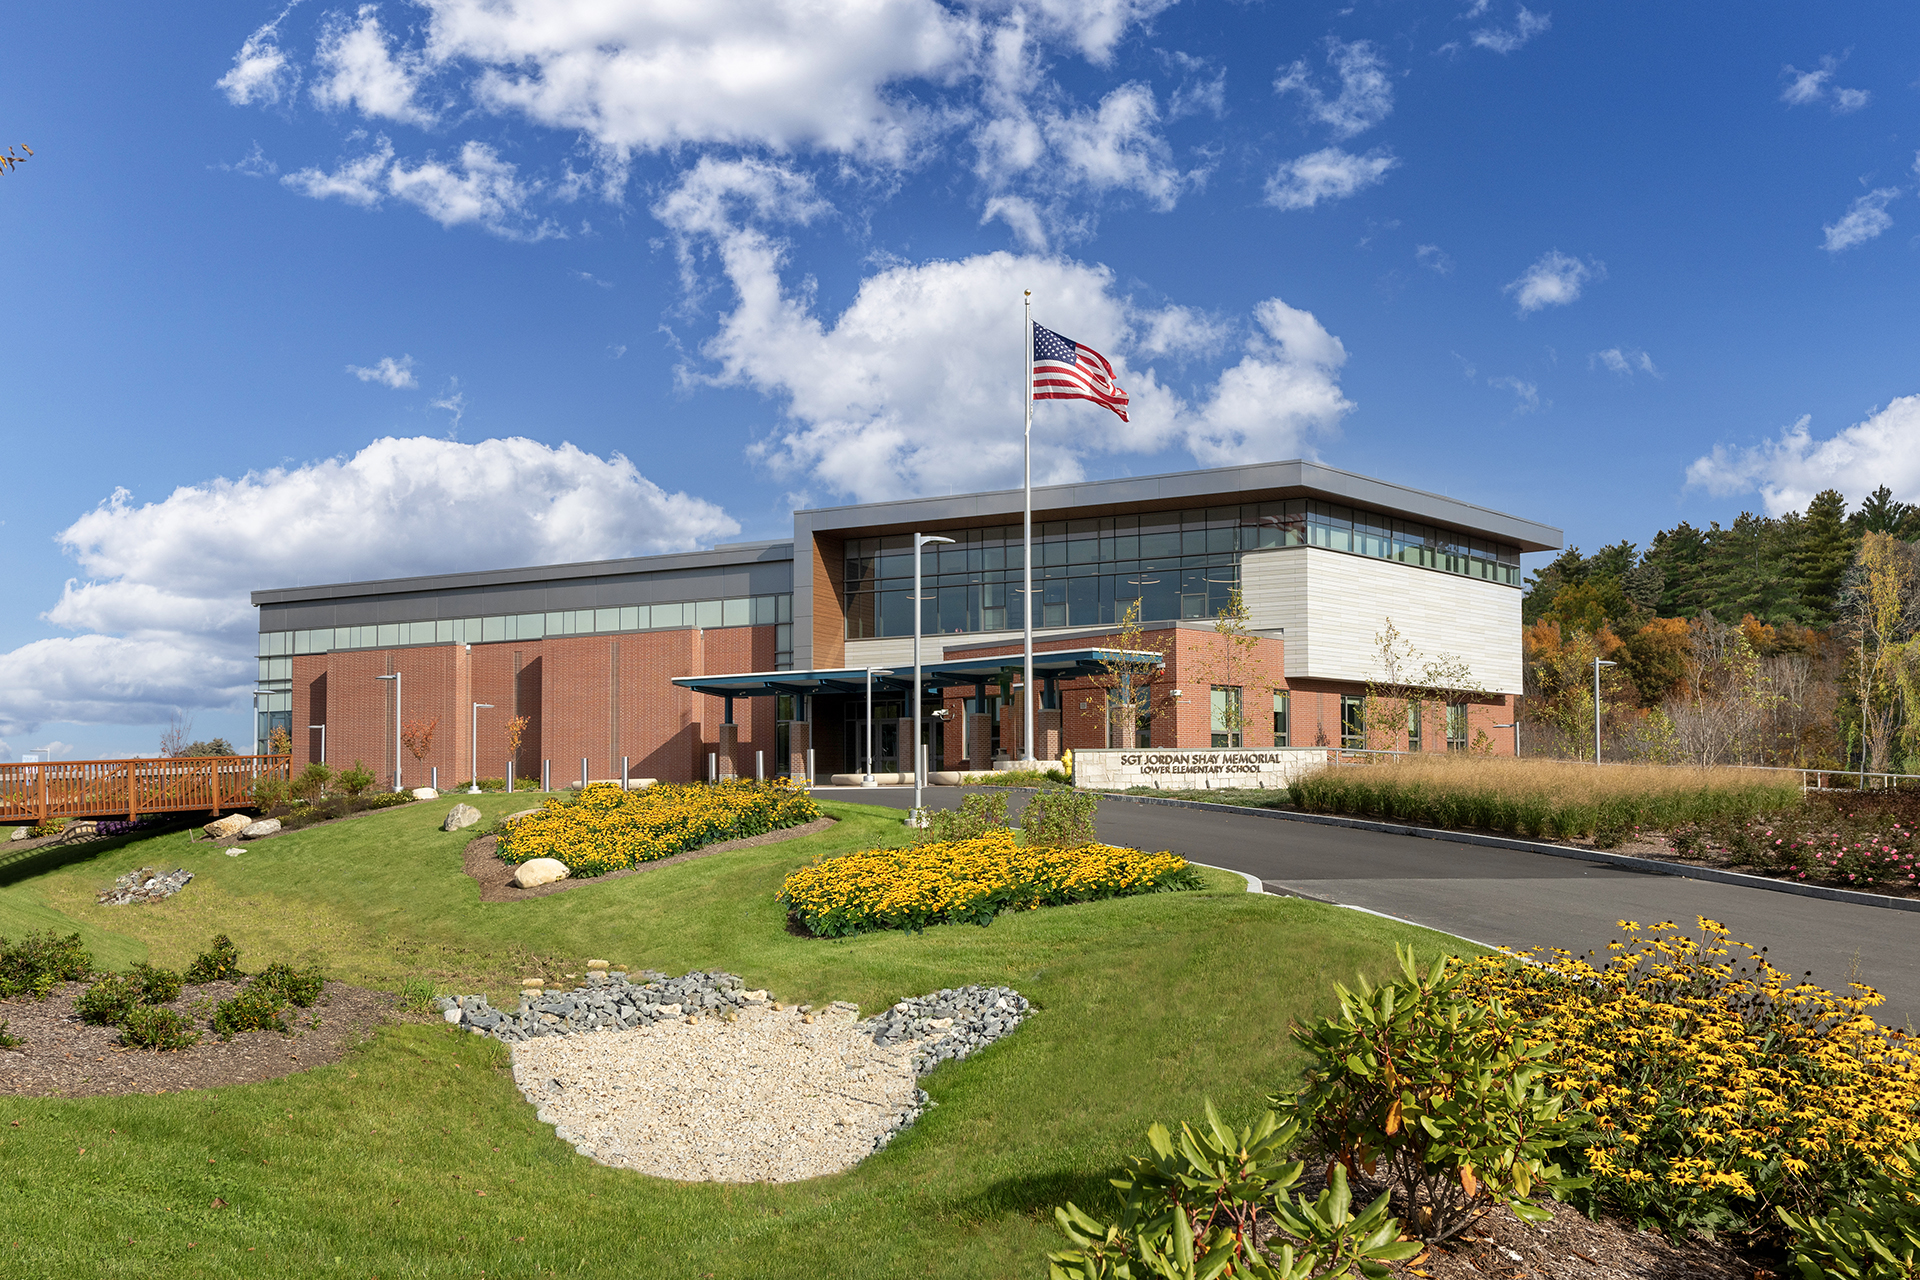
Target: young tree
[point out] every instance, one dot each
(516, 728)
(1408, 681)
(1131, 677)
(417, 735)
(1559, 673)
(1230, 666)
(173, 742)
(1724, 696)
(280, 741)
(1879, 607)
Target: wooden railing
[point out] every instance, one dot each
(101, 788)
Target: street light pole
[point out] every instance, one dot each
(919, 540)
(395, 677)
(866, 779)
(1597, 664)
(323, 740)
(474, 762)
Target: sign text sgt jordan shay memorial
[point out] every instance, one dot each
(1196, 769)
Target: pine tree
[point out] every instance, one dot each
(1881, 514)
(1678, 553)
(1819, 560)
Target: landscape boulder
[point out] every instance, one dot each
(461, 815)
(425, 793)
(20, 833)
(231, 825)
(264, 827)
(538, 871)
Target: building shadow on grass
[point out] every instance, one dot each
(16, 867)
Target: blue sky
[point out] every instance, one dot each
(329, 292)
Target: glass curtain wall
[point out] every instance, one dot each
(1177, 564)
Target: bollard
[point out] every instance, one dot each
(713, 766)
(809, 766)
(509, 777)
(623, 773)
(546, 775)
(759, 766)
(435, 784)
(583, 773)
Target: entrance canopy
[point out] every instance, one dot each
(1055, 664)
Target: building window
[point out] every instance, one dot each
(1415, 714)
(1227, 720)
(1456, 726)
(1353, 721)
(1280, 709)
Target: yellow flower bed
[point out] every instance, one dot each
(606, 829)
(967, 881)
(1720, 1089)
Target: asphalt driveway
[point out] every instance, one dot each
(1504, 897)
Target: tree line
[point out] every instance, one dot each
(1783, 640)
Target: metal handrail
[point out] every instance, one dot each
(1812, 778)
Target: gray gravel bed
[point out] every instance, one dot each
(699, 1078)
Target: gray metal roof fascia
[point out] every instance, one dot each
(718, 557)
(1216, 482)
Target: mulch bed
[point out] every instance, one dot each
(64, 1057)
(1575, 1247)
(495, 877)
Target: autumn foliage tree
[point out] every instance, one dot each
(417, 737)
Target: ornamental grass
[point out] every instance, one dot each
(968, 881)
(1541, 798)
(606, 829)
(1720, 1090)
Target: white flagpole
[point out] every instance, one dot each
(1026, 558)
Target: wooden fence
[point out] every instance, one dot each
(103, 788)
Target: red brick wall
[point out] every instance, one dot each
(599, 696)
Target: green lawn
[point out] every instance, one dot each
(374, 1166)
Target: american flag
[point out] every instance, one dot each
(1065, 370)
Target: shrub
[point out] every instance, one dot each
(267, 794)
(218, 963)
(154, 985)
(256, 1008)
(1444, 1102)
(38, 962)
(967, 882)
(1877, 1238)
(1719, 1091)
(357, 779)
(978, 814)
(386, 800)
(51, 827)
(1059, 819)
(290, 985)
(313, 782)
(1205, 1206)
(158, 1029)
(606, 829)
(107, 1002)
(8, 1041)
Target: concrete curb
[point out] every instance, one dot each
(1653, 865)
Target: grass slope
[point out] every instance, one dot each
(416, 1156)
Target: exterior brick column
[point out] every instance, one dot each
(1046, 734)
(979, 741)
(799, 738)
(728, 748)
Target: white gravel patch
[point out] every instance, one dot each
(766, 1096)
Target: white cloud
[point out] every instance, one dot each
(1526, 395)
(1624, 361)
(397, 374)
(254, 164)
(261, 72)
(1526, 25)
(1846, 101)
(1366, 93)
(164, 599)
(1199, 93)
(1866, 218)
(357, 68)
(1117, 146)
(1327, 174)
(360, 181)
(915, 386)
(1555, 280)
(1789, 470)
(479, 188)
(1434, 258)
(1804, 88)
